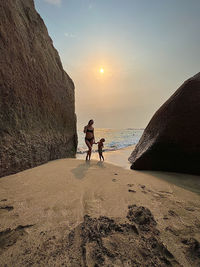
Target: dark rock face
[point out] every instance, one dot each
(171, 140)
(37, 114)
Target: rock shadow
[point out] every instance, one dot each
(187, 181)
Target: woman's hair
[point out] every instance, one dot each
(90, 121)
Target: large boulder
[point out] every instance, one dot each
(171, 140)
(37, 115)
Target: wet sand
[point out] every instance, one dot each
(120, 158)
(72, 213)
(117, 157)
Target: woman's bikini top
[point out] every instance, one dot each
(90, 131)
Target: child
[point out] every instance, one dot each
(100, 147)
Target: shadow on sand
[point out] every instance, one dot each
(81, 170)
(187, 181)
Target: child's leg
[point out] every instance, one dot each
(102, 157)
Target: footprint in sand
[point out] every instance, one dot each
(159, 195)
(165, 192)
(143, 187)
(165, 217)
(3, 200)
(172, 213)
(189, 209)
(114, 180)
(130, 185)
(172, 230)
(8, 208)
(132, 191)
(144, 192)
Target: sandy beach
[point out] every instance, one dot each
(72, 213)
(120, 158)
(83, 76)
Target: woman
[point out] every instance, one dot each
(89, 138)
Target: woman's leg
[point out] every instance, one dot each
(89, 149)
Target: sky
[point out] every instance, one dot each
(146, 48)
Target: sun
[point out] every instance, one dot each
(101, 70)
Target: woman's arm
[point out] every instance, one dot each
(85, 129)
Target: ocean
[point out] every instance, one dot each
(115, 139)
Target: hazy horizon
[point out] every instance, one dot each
(146, 49)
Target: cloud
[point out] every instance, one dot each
(70, 35)
(54, 2)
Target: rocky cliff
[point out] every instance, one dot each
(37, 114)
(171, 140)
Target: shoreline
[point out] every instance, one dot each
(46, 211)
(117, 157)
(120, 158)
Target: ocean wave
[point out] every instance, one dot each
(83, 151)
(115, 139)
